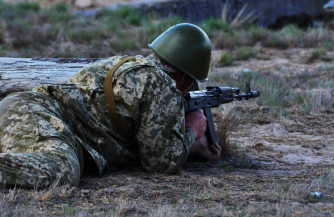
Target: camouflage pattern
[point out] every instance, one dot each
(41, 130)
(163, 65)
(37, 147)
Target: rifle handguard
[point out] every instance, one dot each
(214, 96)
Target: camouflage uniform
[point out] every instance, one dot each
(42, 131)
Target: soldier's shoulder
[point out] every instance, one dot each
(107, 63)
(141, 66)
(151, 74)
(112, 61)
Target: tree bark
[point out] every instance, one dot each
(22, 74)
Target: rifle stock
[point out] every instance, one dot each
(214, 96)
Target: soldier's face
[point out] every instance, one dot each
(183, 81)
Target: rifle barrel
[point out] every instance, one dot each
(247, 96)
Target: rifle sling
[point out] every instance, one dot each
(110, 100)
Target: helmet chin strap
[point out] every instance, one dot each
(183, 81)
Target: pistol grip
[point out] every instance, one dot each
(210, 132)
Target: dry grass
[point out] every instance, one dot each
(299, 191)
(27, 31)
(243, 16)
(163, 211)
(12, 196)
(283, 209)
(226, 124)
(325, 183)
(199, 190)
(255, 179)
(55, 190)
(251, 179)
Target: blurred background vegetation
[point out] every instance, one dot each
(27, 30)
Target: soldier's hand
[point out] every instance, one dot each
(201, 148)
(197, 121)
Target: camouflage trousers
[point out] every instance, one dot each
(36, 145)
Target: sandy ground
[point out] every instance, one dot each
(300, 140)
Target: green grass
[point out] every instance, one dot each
(275, 41)
(245, 53)
(227, 166)
(279, 93)
(258, 33)
(313, 199)
(317, 53)
(28, 6)
(2, 35)
(328, 45)
(274, 91)
(125, 44)
(61, 7)
(82, 35)
(32, 30)
(124, 15)
(65, 52)
(129, 14)
(211, 24)
(214, 26)
(272, 94)
(68, 211)
(23, 35)
(55, 17)
(226, 59)
(326, 68)
(151, 30)
(313, 102)
(238, 161)
(28, 29)
(329, 70)
(235, 145)
(292, 31)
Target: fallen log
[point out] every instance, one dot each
(22, 74)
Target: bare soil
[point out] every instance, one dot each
(276, 164)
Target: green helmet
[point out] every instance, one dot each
(187, 47)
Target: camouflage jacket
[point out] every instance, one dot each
(149, 105)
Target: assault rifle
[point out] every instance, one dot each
(214, 96)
